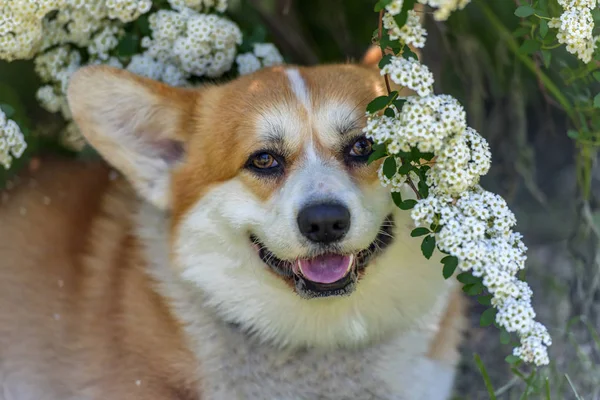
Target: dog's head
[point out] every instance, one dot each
(276, 216)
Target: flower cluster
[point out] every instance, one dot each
(12, 142)
(476, 227)
(263, 55)
(427, 142)
(410, 73)
(445, 7)
(199, 5)
(412, 33)
(28, 27)
(575, 28)
(186, 43)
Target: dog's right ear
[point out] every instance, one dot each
(137, 124)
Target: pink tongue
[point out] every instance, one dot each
(326, 268)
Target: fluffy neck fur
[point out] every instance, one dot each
(236, 365)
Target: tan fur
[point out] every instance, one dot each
(445, 345)
(76, 304)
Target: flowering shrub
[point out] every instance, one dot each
(176, 41)
(429, 148)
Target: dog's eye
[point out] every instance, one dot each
(264, 160)
(363, 147)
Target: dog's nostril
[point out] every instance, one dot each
(324, 223)
(339, 226)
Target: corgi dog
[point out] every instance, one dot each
(233, 243)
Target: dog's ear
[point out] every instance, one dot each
(372, 56)
(138, 125)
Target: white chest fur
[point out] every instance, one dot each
(236, 367)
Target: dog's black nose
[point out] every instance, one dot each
(324, 223)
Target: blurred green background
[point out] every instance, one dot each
(513, 100)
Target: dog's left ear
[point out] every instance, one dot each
(138, 125)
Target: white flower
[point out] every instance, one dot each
(263, 55)
(575, 28)
(410, 73)
(127, 10)
(199, 5)
(198, 44)
(412, 32)
(12, 141)
(469, 231)
(463, 158)
(247, 63)
(445, 7)
(394, 7)
(268, 54)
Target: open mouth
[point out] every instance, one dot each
(329, 273)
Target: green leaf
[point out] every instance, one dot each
(378, 152)
(504, 337)
(419, 232)
(408, 53)
(389, 167)
(427, 246)
(399, 103)
(547, 57)
(543, 28)
(405, 168)
(427, 156)
(597, 101)
(143, 25)
(524, 11)
(385, 60)
(512, 359)
(596, 15)
(467, 278)
(407, 204)
(485, 300)
(389, 112)
(529, 46)
(128, 46)
(450, 264)
(377, 104)
(423, 189)
(380, 5)
(543, 5)
(488, 317)
(397, 197)
(473, 289)
(596, 75)
(403, 15)
(8, 110)
(520, 32)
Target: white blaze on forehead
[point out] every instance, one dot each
(299, 87)
(301, 92)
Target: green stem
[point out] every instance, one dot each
(540, 17)
(486, 377)
(554, 46)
